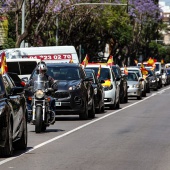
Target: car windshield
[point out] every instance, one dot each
(132, 77)
(157, 68)
(150, 73)
(137, 72)
(64, 73)
(168, 70)
(115, 70)
(104, 74)
(90, 75)
(2, 88)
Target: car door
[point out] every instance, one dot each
(16, 101)
(116, 84)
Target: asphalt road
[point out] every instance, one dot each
(135, 137)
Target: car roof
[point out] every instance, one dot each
(63, 64)
(97, 65)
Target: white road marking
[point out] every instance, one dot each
(80, 127)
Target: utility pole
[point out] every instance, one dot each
(23, 24)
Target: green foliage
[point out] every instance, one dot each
(9, 43)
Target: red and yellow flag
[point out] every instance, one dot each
(71, 61)
(110, 61)
(98, 73)
(162, 61)
(4, 67)
(151, 61)
(143, 70)
(85, 61)
(125, 70)
(136, 62)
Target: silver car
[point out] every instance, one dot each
(134, 85)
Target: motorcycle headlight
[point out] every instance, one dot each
(106, 88)
(95, 91)
(157, 79)
(153, 81)
(75, 87)
(39, 94)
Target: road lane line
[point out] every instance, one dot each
(80, 127)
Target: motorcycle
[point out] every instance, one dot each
(42, 115)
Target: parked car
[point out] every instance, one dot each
(98, 90)
(122, 83)
(165, 77)
(13, 118)
(153, 79)
(111, 87)
(75, 94)
(140, 76)
(135, 85)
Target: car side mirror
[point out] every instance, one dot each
(101, 81)
(25, 79)
(16, 90)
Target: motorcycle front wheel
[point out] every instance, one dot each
(38, 122)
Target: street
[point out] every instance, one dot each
(134, 137)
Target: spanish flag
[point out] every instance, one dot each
(85, 61)
(136, 62)
(98, 73)
(151, 61)
(4, 67)
(71, 61)
(162, 61)
(125, 70)
(110, 61)
(143, 70)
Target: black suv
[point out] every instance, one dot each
(75, 94)
(99, 93)
(122, 83)
(13, 117)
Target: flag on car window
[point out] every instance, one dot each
(98, 73)
(136, 62)
(110, 61)
(125, 70)
(4, 67)
(85, 61)
(143, 69)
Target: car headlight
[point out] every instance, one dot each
(153, 81)
(95, 91)
(39, 94)
(135, 86)
(75, 87)
(106, 88)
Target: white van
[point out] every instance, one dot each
(23, 67)
(50, 54)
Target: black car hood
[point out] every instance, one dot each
(65, 84)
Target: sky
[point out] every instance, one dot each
(167, 2)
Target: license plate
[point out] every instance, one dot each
(58, 103)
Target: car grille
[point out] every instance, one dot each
(60, 95)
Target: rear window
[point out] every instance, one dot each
(21, 68)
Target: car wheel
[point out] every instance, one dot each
(144, 93)
(8, 149)
(126, 98)
(118, 104)
(139, 97)
(21, 144)
(84, 115)
(91, 113)
(113, 106)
